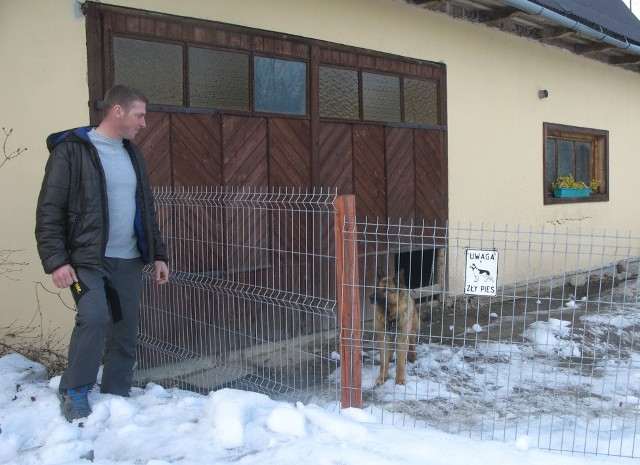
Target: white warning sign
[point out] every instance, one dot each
(481, 272)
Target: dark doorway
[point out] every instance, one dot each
(417, 267)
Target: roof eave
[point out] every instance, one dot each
(535, 22)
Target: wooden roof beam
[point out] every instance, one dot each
(553, 33)
(625, 60)
(593, 48)
(498, 14)
(473, 4)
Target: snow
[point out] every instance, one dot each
(476, 328)
(526, 390)
(157, 426)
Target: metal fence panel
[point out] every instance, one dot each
(251, 300)
(549, 351)
(553, 356)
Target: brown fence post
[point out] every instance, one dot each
(348, 302)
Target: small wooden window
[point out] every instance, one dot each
(578, 152)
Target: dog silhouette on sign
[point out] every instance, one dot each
(480, 273)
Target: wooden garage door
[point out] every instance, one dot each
(394, 160)
(321, 118)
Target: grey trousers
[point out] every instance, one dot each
(106, 328)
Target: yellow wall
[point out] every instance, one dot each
(43, 88)
(494, 114)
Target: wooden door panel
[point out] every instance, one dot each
(196, 148)
(335, 169)
(200, 251)
(289, 153)
(155, 144)
(244, 141)
(431, 177)
(244, 146)
(399, 159)
(369, 171)
(289, 166)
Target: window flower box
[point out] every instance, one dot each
(571, 192)
(566, 186)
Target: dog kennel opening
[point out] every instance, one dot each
(418, 267)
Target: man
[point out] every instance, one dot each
(95, 229)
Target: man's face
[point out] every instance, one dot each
(133, 120)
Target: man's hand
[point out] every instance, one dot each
(160, 272)
(64, 276)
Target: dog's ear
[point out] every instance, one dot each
(401, 281)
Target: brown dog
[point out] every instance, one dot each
(396, 321)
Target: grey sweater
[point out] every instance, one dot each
(121, 195)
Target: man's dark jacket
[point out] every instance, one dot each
(72, 218)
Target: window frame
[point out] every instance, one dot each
(186, 106)
(599, 160)
(253, 86)
(402, 78)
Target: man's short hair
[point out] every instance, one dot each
(121, 95)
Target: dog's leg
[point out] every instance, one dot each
(385, 357)
(385, 353)
(415, 324)
(402, 347)
(406, 344)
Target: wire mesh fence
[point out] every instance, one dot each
(547, 352)
(251, 300)
(517, 332)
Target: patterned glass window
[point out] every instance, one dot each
(420, 101)
(218, 79)
(238, 80)
(339, 93)
(152, 67)
(380, 97)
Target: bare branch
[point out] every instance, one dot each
(30, 340)
(33, 342)
(38, 284)
(9, 155)
(8, 266)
